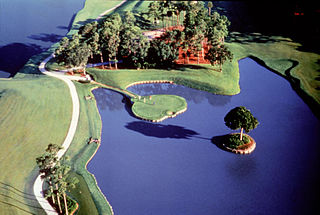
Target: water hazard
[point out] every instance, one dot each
(173, 167)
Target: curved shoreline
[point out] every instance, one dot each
(38, 184)
(149, 82)
(163, 118)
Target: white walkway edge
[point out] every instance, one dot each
(37, 187)
(38, 184)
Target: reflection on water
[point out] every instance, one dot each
(189, 94)
(4, 74)
(109, 99)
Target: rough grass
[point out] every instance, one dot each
(158, 107)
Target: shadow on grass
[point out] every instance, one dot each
(183, 67)
(247, 37)
(9, 194)
(161, 131)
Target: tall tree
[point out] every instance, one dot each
(217, 29)
(218, 55)
(111, 32)
(241, 118)
(210, 5)
(194, 28)
(46, 163)
(154, 12)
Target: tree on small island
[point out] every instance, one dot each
(241, 118)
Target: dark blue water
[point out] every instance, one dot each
(30, 27)
(173, 168)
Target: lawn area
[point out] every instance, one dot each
(158, 107)
(35, 111)
(201, 77)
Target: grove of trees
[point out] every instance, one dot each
(55, 173)
(188, 25)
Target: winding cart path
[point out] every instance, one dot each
(38, 184)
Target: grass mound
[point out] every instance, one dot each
(158, 107)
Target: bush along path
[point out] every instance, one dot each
(38, 184)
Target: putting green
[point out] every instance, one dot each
(157, 108)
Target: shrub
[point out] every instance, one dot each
(233, 140)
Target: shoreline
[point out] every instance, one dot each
(38, 183)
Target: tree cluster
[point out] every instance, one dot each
(54, 172)
(119, 38)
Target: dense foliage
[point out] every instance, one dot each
(120, 38)
(241, 118)
(233, 140)
(55, 172)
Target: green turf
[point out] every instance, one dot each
(35, 111)
(202, 77)
(158, 107)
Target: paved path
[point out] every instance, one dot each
(38, 184)
(37, 187)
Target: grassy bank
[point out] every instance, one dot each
(202, 77)
(282, 56)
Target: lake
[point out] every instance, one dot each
(30, 27)
(172, 167)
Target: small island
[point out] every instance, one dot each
(239, 143)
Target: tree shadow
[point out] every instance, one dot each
(53, 38)
(62, 27)
(281, 20)
(18, 199)
(15, 55)
(77, 25)
(183, 67)
(161, 131)
(219, 140)
(249, 37)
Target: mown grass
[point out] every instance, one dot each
(91, 10)
(35, 111)
(158, 107)
(202, 77)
